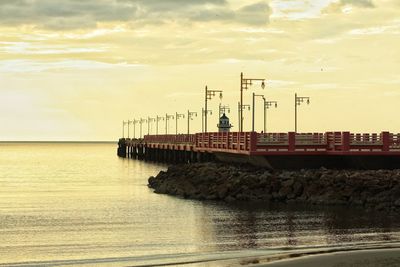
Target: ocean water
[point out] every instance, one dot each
(81, 205)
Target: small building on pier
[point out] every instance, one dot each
(224, 125)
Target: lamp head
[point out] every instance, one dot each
(308, 101)
(220, 95)
(276, 105)
(263, 85)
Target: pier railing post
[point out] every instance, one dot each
(345, 141)
(253, 142)
(385, 137)
(291, 141)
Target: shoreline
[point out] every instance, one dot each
(363, 256)
(371, 189)
(382, 257)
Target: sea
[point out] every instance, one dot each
(78, 204)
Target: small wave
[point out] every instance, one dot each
(243, 256)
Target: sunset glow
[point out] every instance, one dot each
(73, 70)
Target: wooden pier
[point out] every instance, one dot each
(273, 150)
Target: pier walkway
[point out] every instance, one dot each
(200, 146)
(252, 143)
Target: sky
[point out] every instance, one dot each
(75, 69)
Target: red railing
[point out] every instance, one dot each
(171, 138)
(234, 141)
(264, 143)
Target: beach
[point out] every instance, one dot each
(362, 258)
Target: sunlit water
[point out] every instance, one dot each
(79, 204)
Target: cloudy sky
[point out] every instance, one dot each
(74, 69)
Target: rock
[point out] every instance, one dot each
(210, 181)
(285, 191)
(288, 183)
(297, 189)
(222, 191)
(229, 199)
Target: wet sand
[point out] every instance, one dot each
(362, 258)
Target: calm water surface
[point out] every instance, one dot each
(79, 204)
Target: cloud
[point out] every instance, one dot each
(345, 6)
(26, 66)
(358, 3)
(74, 14)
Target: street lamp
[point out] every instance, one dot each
(209, 95)
(267, 105)
(123, 129)
(241, 108)
(177, 117)
(223, 110)
(254, 110)
(134, 122)
(141, 121)
(158, 119)
(129, 123)
(149, 120)
(297, 101)
(204, 114)
(190, 115)
(244, 84)
(167, 118)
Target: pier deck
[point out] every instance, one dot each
(267, 145)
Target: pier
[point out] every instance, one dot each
(272, 150)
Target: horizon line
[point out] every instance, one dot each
(54, 141)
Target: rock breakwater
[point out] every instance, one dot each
(373, 189)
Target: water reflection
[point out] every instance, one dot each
(68, 201)
(249, 226)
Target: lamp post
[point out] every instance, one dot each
(223, 110)
(203, 115)
(141, 121)
(242, 107)
(123, 129)
(129, 123)
(134, 122)
(244, 84)
(297, 102)
(190, 115)
(158, 119)
(177, 117)
(254, 110)
(208, 96)
(267, 105)
(167, 118)
(149, 120)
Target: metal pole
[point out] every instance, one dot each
(239, 116)
(265, 116)
(166, 123)
(123, 129)
(295, 112)
(241, 104)
(202, 120)
(141, 123)
(188, 122)
(176, 123)
(157, 120)
(205, 114)
(134, 129)
(254, 106)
